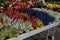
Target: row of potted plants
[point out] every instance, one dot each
(54, 7)
(15, 4)
(47, 5)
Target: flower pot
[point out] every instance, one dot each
(55, 9)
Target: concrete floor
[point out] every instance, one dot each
(40, 37)
(57, 33)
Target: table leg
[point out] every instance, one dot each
(53, 32)
(47, 35)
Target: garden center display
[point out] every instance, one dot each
(21, 16)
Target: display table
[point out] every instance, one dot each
(53, 24)
(38, 30)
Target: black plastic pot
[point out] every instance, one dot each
(44, 6)
(55, 9)
(6, 38)
(37, 6)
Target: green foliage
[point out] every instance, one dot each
(2, 1)
(40, 3)
(7, 32)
